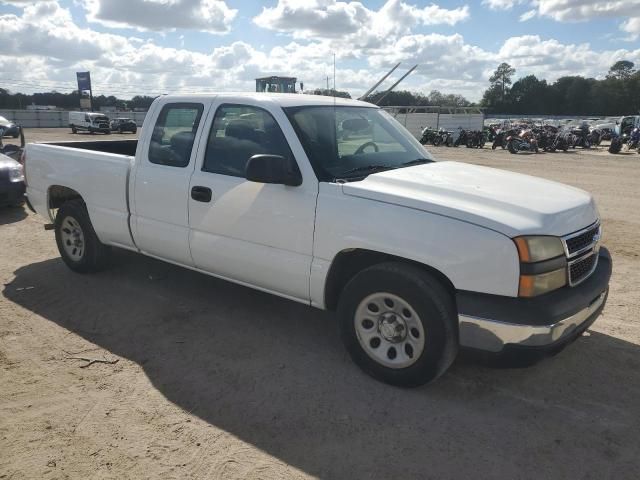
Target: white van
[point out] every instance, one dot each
(90, 121)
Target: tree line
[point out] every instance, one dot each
(69, 101)
(617, 94)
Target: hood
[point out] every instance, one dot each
(510, 203)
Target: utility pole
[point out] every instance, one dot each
(334, 74)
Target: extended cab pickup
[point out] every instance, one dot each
(332, 203)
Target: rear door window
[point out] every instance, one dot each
(174, 133)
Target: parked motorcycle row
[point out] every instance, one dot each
(530, 137)
(468, 138)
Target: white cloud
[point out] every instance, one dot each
(551, 59)
(528, 15)
(578, 10)
(46, 29)
(632, 27)
(501, 4)
(43, 47)
(336, 19)
(585, 10)
(213, 16)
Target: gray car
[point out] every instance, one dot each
(11, 182)
(9, 129)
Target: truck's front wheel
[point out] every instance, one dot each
(399, 324)
(77, 242)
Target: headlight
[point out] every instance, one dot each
(541, 269)
(533, 285)
(16, 174)
(537, 249)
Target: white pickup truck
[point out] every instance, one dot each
(332, 203)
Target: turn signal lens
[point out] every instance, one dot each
(534, 285)
(539, 248)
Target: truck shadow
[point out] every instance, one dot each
(12, 214)
(274, 374)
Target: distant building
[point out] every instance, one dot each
(41, 107)
(276, 84)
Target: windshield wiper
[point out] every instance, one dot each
(417, 161)
(369, 169)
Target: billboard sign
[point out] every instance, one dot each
(84, 81)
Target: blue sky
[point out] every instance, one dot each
(170, 46)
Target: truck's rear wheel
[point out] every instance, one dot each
(77, 242)
(399, 324)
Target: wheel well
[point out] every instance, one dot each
(350, 262)
(59, 195)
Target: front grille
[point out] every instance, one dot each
(583, 240)
(581, 268)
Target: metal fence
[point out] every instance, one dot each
(58, 118)
(415, 119)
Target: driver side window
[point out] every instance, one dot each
(238, 133)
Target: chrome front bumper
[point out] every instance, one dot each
(493, 336)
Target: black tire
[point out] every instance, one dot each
(427, 297)
(616, 146)
(95, 256)
(512, 147)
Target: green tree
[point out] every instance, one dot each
(501, 79)
(330, 93)
(621, 70)
(530, 95)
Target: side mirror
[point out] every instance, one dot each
(264, 168)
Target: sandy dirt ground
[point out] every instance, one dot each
(214, 380)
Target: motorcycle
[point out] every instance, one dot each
(634, 140)
(463, 138)
(595, 137)
(428, 136)
(501, 137)
(443, 137)
(581, 137)
(525, 142)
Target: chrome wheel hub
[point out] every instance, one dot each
(389, 330)
(72, 238)
(392, 327)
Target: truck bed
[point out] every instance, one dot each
(119, 147)
(98, 171)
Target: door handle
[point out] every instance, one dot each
(201, 194)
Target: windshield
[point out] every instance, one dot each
(352, 142)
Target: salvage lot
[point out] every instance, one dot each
(214, 380)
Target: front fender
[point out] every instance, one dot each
(472, 257)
